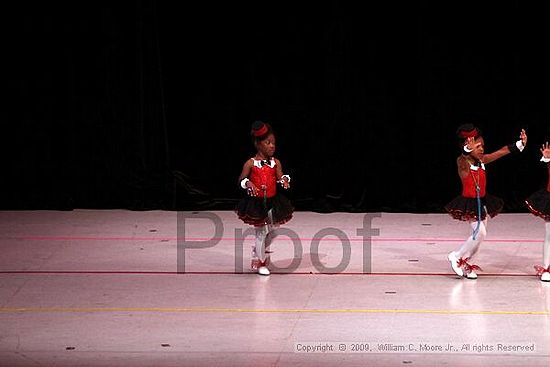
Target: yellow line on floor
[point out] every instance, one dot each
(253, 310)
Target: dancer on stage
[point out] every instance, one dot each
(539, 204)
(263, 207)
(475, 204)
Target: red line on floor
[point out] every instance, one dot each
(38, 272)
(202, 239)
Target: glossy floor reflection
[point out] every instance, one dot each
(111, 288)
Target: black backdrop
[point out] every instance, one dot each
(148, 105)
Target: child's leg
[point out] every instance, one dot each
(545, 273)
(546, 247)
(471, 246)
(270, 227)
(260, 255)
(468, 249)
(258, 252)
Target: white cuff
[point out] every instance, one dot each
(467, 150)
(285, 176)
(243, 182)
(520, 145)
(545, 160)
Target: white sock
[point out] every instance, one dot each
(259, 242)
(546, 247)
(471, 246)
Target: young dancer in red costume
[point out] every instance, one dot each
(475, 204)
(263, 207)
(539, 204)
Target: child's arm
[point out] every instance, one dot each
(518, 146)
(281, 178)
(488, 158)
(462, 162)
(463, 166)
(244, 182)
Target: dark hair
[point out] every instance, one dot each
(260, 130)
(465, 131)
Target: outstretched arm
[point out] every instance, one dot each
(519, 145)
(488, 158)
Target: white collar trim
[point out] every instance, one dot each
(475, 168)
(258, 162)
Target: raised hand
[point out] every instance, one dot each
(545, 150)
(471, 143)
(523, 137)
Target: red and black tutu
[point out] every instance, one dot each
(254, 211)
(539, 204)
(466, 209)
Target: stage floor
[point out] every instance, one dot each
(156, 288)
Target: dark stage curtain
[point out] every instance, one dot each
(148, 105)
(90, 121)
